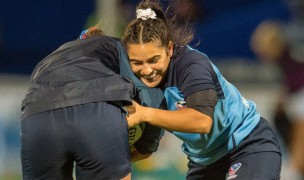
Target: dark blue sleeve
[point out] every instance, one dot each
(149, 141)
(196, 74)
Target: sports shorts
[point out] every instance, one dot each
(93, 137)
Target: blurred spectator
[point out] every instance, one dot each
(282, 43)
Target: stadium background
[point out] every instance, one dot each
(29, 30)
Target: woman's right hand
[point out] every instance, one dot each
(135, 114)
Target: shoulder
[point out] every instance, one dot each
(186, 54)
(100, 44)
(98, 40)
(185, 57)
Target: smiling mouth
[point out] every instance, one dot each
(150, 78)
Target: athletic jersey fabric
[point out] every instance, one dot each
(85, 71)
(234, 116)
(78, 72)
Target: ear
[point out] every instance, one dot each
(170, 48)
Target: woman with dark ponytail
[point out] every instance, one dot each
(224, 137)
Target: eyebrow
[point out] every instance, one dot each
(149, 59)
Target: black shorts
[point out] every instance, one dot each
(93, 135)
(258, 157)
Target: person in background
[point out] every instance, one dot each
(73, 112)
(224, 137)
(280, 43)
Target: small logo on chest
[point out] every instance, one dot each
(233, 169)
(181, 105)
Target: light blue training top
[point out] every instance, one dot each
(234, 116)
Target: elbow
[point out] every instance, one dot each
(207, 129)
(205, 125)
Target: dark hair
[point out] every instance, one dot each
(92, 31)
(161, 28)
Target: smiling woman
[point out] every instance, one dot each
(220, 129)
(150, 61)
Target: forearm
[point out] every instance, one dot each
(185, 120)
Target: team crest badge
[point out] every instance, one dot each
(181, 105)
(233, 169)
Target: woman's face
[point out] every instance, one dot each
(150, 61)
